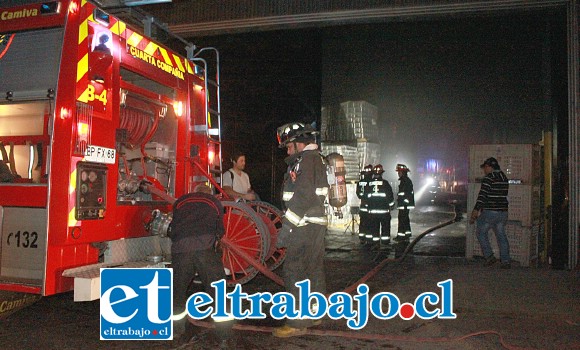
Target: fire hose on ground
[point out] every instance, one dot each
(350, 289)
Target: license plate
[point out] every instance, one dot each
(100, 154)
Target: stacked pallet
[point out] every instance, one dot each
(354, 125)
(521, 164)
(362, 117)
(350, 155)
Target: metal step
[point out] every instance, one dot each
(87, 279)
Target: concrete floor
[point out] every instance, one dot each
(523, 308)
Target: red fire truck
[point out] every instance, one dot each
(100, 127)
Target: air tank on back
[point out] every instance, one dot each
(337, 193)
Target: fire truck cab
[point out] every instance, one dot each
(93, 115)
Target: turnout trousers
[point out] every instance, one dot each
(208, 265)
(305, 260)
(381, 227)
(404, 228)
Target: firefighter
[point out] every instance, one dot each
(304, 223)
(196, 229)
(405, 201)
(362, 188)
(380, 200)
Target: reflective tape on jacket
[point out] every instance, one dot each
(378, 211)
(292, 217)
(286, 196)
(319, 220)
(322, 191)
(377, 194)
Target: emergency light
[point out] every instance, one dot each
(101, 17)
(50, 7)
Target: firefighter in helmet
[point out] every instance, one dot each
(380, 200)
(304, 224)
(405, 201)
(362, 190)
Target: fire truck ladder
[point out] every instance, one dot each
(212, 107)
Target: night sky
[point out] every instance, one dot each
(439, 85)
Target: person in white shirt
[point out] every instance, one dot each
(236, 182)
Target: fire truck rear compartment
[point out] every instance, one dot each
(23, 236)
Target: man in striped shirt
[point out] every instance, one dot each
(491, 212)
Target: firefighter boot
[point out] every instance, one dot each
(385, 239)
(361, 237)
(375, 242)
(401, 237)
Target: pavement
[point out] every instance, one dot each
(520, 308)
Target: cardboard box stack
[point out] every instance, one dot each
(521, 164)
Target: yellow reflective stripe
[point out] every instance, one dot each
(84, 97)
(83, 30)
(401, 193)
(72, 221)
(316, 220)
(118, 28)
(322, 191)
(165, 56)
(177, 60)
(134, 39)
(293, 217)
(82, 67)
(151, 48)
(286, 196)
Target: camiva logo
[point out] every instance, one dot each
(312, 305)
(5, 41)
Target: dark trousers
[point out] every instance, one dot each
(380, 227)
(404, 223)
(364, 225)
(305, 260)
(209, 267)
